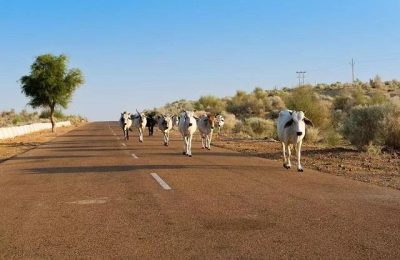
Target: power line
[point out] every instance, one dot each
(352, 69)
(300, 76)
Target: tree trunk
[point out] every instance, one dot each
(52, 119)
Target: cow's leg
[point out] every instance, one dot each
(140, 134)
(189, 145)
(284, 154)
(298, 154)
(167, 138)
(203, 145)
(184, 146)
(289, 154)
(127, 134)
(209, 140)
(285, 159)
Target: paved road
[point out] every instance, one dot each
(90, 194)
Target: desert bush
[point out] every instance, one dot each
(373, 150)
(178, 106)
(304, 99)
(376, 82)
(313, 135)
(274, 103)
(377, 98)
(391, 130)
(12, 118)
(260, 127)
(343, 102)
(210, 104)
(229, 122)
(46, 114)
(332, 137)
(359, 97)
(364, 125)
(241, 129)
(244, 105)
(76, 120)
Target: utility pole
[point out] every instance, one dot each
(352, 69)
(300, 76)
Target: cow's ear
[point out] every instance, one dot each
(289, 123)
(308, 122)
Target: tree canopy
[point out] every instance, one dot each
(50, 83)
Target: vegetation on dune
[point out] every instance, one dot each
(359, 113)
(12, 118)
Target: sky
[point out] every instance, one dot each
(143, 54)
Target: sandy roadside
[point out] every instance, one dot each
(20, 144)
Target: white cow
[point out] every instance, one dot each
(165, 125)
(206, 124)
(139, 122)
(187, 126)
(175, 120)
(125, 122)
(219, 119)
(291, 130)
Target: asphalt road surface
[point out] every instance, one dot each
(90, 194)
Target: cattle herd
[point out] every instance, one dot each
(290, 127)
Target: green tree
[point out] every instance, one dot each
(50, 83)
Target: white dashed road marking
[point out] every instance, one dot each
(123, 144)
(91, 201)
(134, 156)
(160, 181)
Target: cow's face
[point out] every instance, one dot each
(298, 122)
(211, 121)
(125, 117)
(220, 120)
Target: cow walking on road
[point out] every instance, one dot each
(165, 125)
(206, 124)
(291, 131)
(187, 127)
(125, 123)
(219, 119)
(139, 122)
(151, 122)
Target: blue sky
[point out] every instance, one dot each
(143, 54)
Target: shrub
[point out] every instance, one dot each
(229, 122)
(332, 137)
(241, 129)
(392, 128)
(178, 106)
(10, 118)
(304, 99)
(46, 114)
(364, 125)
(313, 135)
(274, 103)
(343, 102)
(210, 104)
(359, 97)
(76, 120)
(377, 98)
(260, 127)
